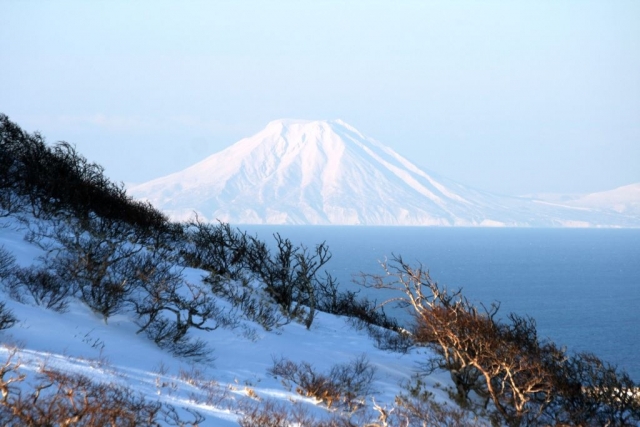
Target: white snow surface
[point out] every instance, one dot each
(78, 341)
(624, 200)
(327, 172)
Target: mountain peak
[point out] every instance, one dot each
(307, 125)
(302, 122)
(324, 133)
(327, 172)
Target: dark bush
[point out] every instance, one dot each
(167, 307)
(42, 287)
(217, 248)
(364, 314)
(396, 339)
(254, 304)
(290, 275)
(7, 264)
(94, 256)
(345, 384)
(50, 180)
(7, 319)
(368, 315)
(595, 393)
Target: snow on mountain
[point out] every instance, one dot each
(327, 172)
(624, 200)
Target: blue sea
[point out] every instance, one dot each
(582, 286)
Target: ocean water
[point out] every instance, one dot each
(582, 286)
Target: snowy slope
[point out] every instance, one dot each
(78, 341)
(327, 172)
(624, 200)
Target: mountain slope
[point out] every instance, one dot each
(326, 172)
(77, 341)
(624, 200)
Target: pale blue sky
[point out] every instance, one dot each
(507, 96)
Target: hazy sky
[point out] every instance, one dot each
(510, 97)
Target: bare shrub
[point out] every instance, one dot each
(7, 319)
(10, 377)
(167, 335)
(364, 314)
(7, 264)
(481, 354)
(206, 390)
(411, 411)
(596, 393)
(59, 398)
(275, 414)
(252, 302)
(217, 248)
(345, 384)
(290, 275)
(387, 339)
(12, 145)
(92, 255)
(11, 203)
(355, 379)
(42, 287)
(171, 417)
(269, 414)
(528, 381)
(417, 407)
(167, 307)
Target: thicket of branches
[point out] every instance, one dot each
(502, 364)
(49, 180)
(291, 276)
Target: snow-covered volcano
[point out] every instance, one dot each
(327, 172)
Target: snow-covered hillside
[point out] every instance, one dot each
(236, 379)
(327, 172)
